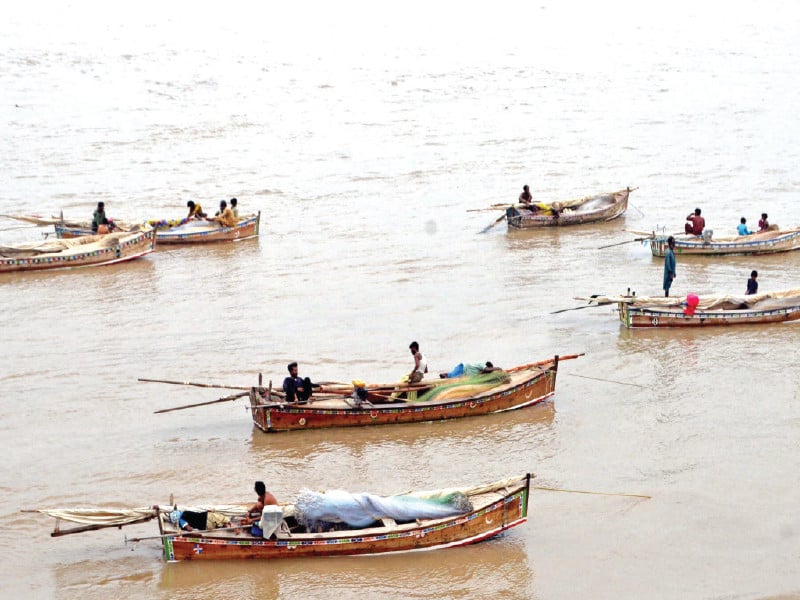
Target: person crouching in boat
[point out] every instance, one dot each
(225, 216)
(253, 516)
(189, 520)
(100, 223)
(195, 211)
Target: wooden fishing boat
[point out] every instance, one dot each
(591, 209)
(711, 310)
(384, 404)
(204, 232)
(767, 242)
(321, 525)
(183, 231)
(90, 251)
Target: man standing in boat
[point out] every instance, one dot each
(420, 364)
(695, 224)
(669, 265)
(296, 387)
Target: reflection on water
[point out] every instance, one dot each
(497, 567)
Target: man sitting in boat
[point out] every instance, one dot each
(696, 223)
(296, 387)
(253, 516)
(742, 227)
(235, 207)
(195, 211)
(525, 197)
(189, 520)
(763, 223)
(225, 216)
(100, 224)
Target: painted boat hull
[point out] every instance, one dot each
(539, 386)
(766, 243)
(246, 229)
(643, 317)
(128, 248)
(524, 219)
(508, 510)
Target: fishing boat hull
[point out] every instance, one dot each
(90, 254)
(245, 229)
(600, 207)
(195, 232)
(769, 242)
(632, 316)
(502, 506)
(536, 383)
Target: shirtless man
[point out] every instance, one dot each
(525, 197)
(264, 498)
(695, 224)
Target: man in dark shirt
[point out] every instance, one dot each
(296, 387)
(752, 284)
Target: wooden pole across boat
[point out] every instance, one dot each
(195, 384)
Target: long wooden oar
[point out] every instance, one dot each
(225, 399)
(502, 205)
(625, 242)
(488, 227)
(555, 312)
(549, 489)
(195, 384)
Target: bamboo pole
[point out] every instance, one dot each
(225, 399)
(549, 489)
(195, 384)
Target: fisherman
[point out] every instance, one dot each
(669, 265)
(195, 211)
(189, 520)
(470, 369)
(763, 223)
(420, 364)
(752, 284)
(696, 223)
(235, 207)
(742, 227)
(225, 216)
(294, 386)
(101, 224)
(253, 515)
(525, 197)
